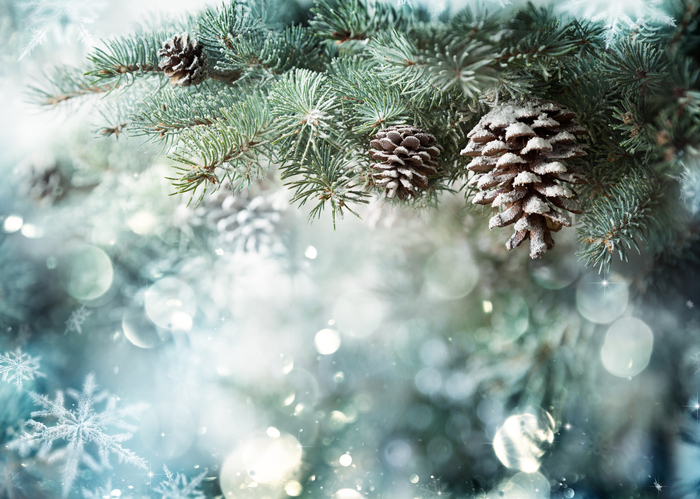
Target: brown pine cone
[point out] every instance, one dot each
(519, 149)
(407, 160)
(183, 61)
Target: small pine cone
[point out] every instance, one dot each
(519, 148)
(407, 158)
(183, 61)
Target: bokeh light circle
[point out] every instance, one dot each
(601, 299)
(327, 341)
(627, 347)
(450, 274)
(86, 272)
(171, 304)
(523, 440)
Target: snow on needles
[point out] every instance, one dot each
(79, 427)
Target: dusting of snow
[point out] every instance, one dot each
(534, 204)
(510, 159)
(494, 147)
(536, 144)
(518, 129)
(526, 178)
(544, 168)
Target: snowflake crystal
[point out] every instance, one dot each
(62, 17)
(177, 487)
(77, 319)
(15, 367)
(80, 427)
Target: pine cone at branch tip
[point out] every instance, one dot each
(183, 61)
(518, 149)
(407, 158)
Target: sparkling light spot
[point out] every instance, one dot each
(327, 341)
(414, 478)
(13, 223)
(293, 488)
(311, 253)
(523, 440)
(488, 306)
(345, 460)
(31, 231)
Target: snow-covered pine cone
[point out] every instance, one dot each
(183, 61)
(406, 156)
(519, 149)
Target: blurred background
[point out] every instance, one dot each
(403, 355)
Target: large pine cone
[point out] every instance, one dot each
(407, 158)
(520, 147)
(183, 61)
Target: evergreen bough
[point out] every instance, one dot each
(304, 91)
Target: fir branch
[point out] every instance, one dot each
(238, 144)
(347, 20)
(165, 114)
(304, 107)
(327, 176)
(65, 84)
(635, 66)
(616, 224)
(128, 57)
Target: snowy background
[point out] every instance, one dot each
(150, 349)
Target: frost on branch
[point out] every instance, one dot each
(18, 367)
(81, 428)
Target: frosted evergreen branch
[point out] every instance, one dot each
(126, 58)
(166, 114)
(304, 108)
(328, 175)
(343, 21)
(635, 66)
(66, 84)
(236, 144)
(266, 54)
(616, 224)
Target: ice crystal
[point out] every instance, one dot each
(80, 427)
(18, 367)
(618, 15)
(77, 319)
(176, 487)
(62, 17)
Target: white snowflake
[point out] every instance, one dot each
(77, 319)
(618, 14)
(177, 487)
(62, 17)
(15, 367)
(80, 427)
